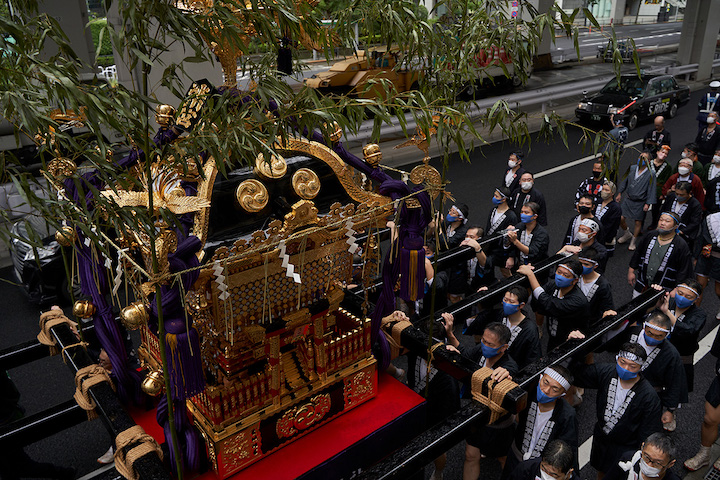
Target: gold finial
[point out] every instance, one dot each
(372, 154)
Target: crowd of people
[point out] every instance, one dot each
(653, 372)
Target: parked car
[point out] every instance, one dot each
(625, 47)
(637, 98)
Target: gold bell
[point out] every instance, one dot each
(372, 154)
(164, 115)
(84, 309)
(66, 236)
(336, 133)
(153, 383)
(134, 316)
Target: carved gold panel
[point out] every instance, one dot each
(306, 183)
(252, 195)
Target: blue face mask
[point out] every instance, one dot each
(561, 281)
(430, 257)
(525, 218)
(624, 374)
(587, 270)
(682, 302)
(510, 308)
(542, 398)
(451, 218)
(489, 352)
(651, 342)
(497, 201)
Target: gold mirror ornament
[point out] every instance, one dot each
(270, 170)
(252, 195)
(84, 309)
(134, 316)
(164, 115)
(306, 183)
(153, 383)
(66, 236)
(428, 175)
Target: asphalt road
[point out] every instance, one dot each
(49, 382)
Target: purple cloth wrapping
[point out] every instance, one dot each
(187, 435)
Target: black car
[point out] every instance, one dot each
(652, 95)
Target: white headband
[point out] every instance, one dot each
(691, 289)
(568, 269)
(557, 377)
(501, 193)
(655, 327)
(460, 214)
(630, 356)
(588, 260)
(590, 223)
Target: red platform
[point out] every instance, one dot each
(393, 417)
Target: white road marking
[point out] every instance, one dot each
(705, 344)
(578, 161)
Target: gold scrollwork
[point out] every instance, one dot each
(306, 183)
(429, 175)
(303, 416)
(252, 195)
(270, 170)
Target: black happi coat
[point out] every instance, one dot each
(509, 218)
(563, 315)
(609, 216)
(663, 368)
(636, 419)
(674, 268)
(686, 332)
(539, 244)
(561, 426)
(515, 184)
(599, 299)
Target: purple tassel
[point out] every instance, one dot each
(186, 433)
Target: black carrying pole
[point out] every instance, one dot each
(438, 439)
(109, 409)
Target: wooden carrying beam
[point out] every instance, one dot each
(423, 449)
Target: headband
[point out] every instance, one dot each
(689, 288)
(655, 327)
(590, 223)
(501, 193)
(588, 260)
(630, 356)
(557, 377)
(568, 269)
(460, 214)
(672, 215)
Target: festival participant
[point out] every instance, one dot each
(500, 218)
(711, 182)
(560, 300)
(687, 321)
(663, 367)
(592, 185)
(639, 189)
(657, 137)
(628, 408)
(662, 257)
(588, 230)
(585, 208)
(524, 344)
(547, 417)
(451, 237)
(708, 265)
(594, 286)
(488, 440)
(690, 151)
(663, 171)
(609, 213)
(711, 420)
(514, 172)
(708, 139)
(653, 461)
(557, 463)
(479, 271)
(528, 193)
(528, 241)
(689, 211)
(685, 175)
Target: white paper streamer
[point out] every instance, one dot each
(117, 281)
(350, 233)
(218, 270)
(289, 267)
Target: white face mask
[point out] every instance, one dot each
(647, 470)
(684, 154)
(683, 170)
(716, 159)
(526, 185)
(582, 236)
(605, 195)
(512, 164)
(710, 120)
(545, 476)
